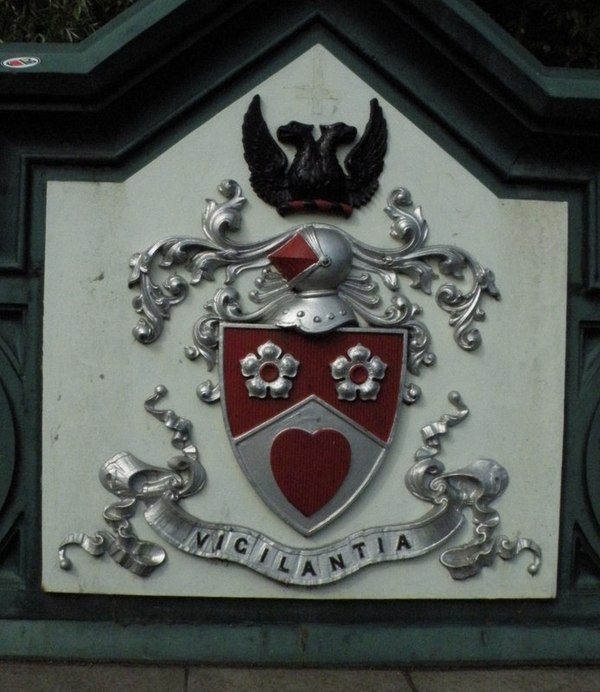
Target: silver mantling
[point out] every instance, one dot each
(340, 288)
(160, 491)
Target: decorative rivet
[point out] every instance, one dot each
(316, 319)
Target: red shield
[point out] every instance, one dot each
(310, 417)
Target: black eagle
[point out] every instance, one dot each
(315, 179)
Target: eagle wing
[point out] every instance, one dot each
(364, 162)
(265, 158)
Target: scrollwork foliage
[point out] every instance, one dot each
(202, 257)
(135, 482)
(474, 486)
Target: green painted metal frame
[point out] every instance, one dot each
(102, 109)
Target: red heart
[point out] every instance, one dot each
(310, 468)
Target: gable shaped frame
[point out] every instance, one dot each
(100, 110)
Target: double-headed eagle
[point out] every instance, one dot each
(314, 180)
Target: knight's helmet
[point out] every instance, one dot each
(314, 262)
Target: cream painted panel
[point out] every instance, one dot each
(96, 377)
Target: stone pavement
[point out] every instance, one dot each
(59, 677)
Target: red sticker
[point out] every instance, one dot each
(21, 62)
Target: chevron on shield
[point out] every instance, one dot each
(310, 417)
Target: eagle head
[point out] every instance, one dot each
(338, 133)
(294, 132)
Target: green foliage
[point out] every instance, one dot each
(560, 33)
(55, 20)
(563, 33)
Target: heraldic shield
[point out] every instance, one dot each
(311, 417)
